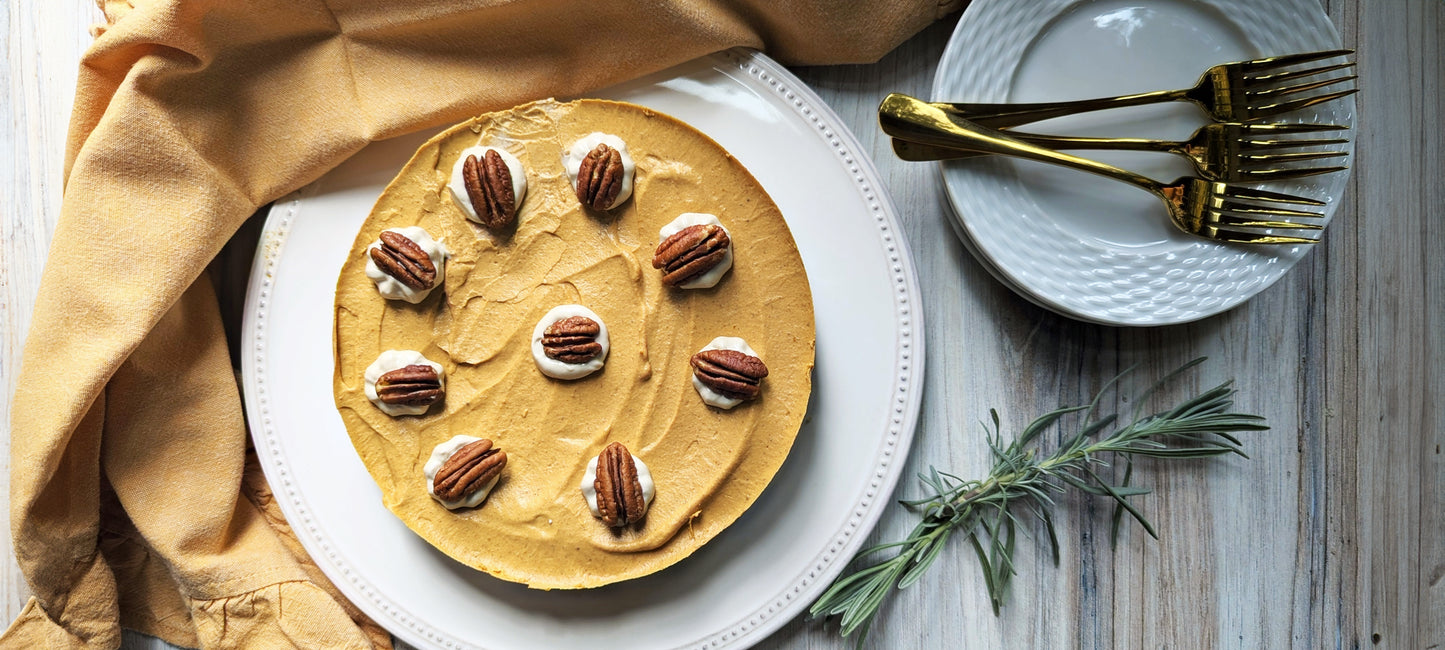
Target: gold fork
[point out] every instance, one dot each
(1219, 152)
(1230, 92)
(1219, 211)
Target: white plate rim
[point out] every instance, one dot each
(1308, 29)
(891, 453)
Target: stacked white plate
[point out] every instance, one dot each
(1085, 246)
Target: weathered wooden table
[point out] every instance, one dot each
(1333, 534)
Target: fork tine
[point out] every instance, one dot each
(1290, 59)
(1250, 193)
(1299, 88)
(1245, 209)
(1262, 175)
(1246, 222)
(1276, 77)
(1244, 237)
(1270, 145)
(1285, 107)
(1288, 127)
(1294, 156)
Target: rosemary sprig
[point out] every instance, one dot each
(1022, 481)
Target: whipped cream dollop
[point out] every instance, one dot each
(394, 360)
(710, 396)
(458, 184)
(439, 456)
(687, 220)
(589, 485)
(561, 369)
(572, 160)
(391, 288)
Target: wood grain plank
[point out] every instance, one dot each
(1333, 584)
(1431, 573)
(1391, 319)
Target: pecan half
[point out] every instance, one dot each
(489, 186)
(400, 258)
(469, 469)
(690, 252)
(599, 179)
(729, 372)
(572, 340)
(415, 385)
(619, 493)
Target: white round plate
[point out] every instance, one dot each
(1092, 248)
(753, 577)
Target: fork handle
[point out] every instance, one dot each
(916, 152)
(1002, 116)
(913, 119)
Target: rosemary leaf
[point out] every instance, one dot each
(1022, 478)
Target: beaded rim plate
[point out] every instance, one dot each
(1092, 248)
(752, 578)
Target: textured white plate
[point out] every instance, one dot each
(753, 577)
(1089, 247)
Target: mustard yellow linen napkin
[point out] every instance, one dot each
(132, 501)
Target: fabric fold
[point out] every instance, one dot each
(130, 502)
